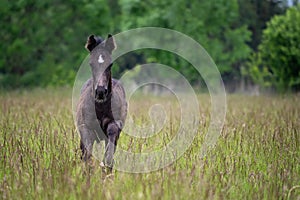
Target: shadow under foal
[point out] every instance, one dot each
(102, 106)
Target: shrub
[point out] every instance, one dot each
(279, 50)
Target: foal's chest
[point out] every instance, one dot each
(104, 114)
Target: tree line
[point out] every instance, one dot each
(251, 41)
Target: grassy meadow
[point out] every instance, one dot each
(257, 155)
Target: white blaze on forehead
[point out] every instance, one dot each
(100, 59)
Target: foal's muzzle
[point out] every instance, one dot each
(101, 94)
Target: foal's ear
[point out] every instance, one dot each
(92, 42)
(110, 44)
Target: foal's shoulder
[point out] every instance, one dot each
(116, 83)
(117, 87)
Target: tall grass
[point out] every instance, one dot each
(256, 157)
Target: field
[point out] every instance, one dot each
(257, 155)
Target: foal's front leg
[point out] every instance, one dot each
(87, 140)
(113, 133)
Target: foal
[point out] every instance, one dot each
(102, 106)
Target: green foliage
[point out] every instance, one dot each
(43, 41)
(259, 74)
(256, 13)
(211, 23)
(279, 51)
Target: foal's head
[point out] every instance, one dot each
(101, 62)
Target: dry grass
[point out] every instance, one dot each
(257, 155)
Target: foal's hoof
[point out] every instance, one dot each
(106, 169)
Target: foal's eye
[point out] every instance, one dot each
(100, 59)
